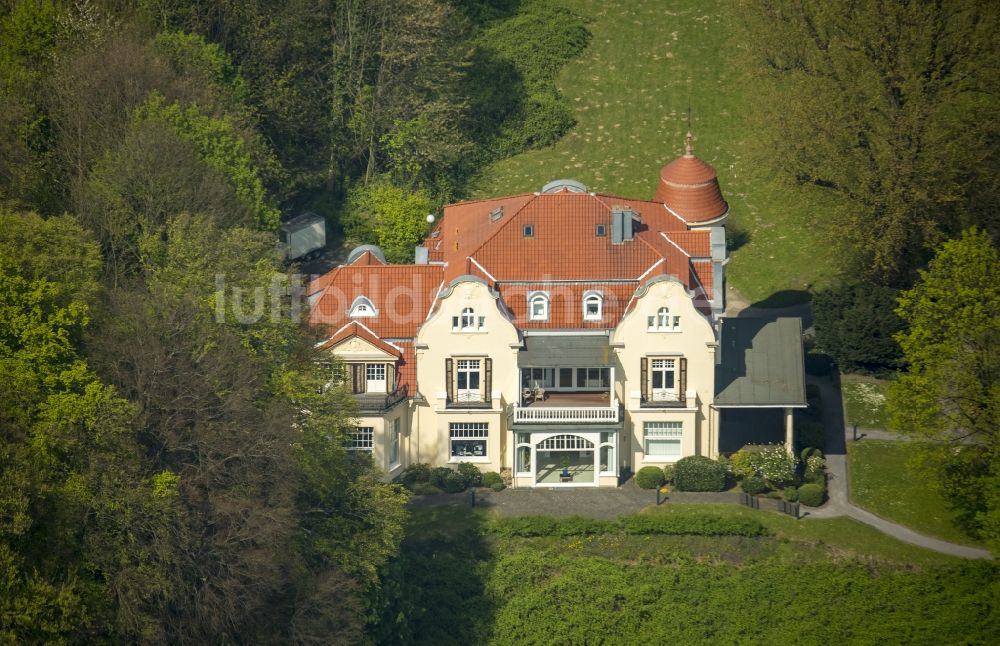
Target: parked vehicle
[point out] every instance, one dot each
(303, 237)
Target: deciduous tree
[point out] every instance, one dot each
(950, 393)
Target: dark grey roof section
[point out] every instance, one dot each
(584, 351)
(357, 251)
(762, 364)
(559, 184)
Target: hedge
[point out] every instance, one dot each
(490, 478)
(639, 524)
(649, 477)
(753, 485)
(694, 525)
(698, 473)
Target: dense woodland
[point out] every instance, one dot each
(170, 474)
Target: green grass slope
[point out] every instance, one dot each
(629, 92)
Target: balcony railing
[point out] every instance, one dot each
(567, 414)
(373, 402)
(663, 400)
(469, 400)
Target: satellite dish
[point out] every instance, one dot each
(430, 218)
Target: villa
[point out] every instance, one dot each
(569, 336)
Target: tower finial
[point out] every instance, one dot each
(688, 149)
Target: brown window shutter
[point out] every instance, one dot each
(390, 378)
(488, 381)
(644, 377)
(682, 395)
(449, 378)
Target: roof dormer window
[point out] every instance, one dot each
(538, 306)
(593, 306)
(362, 307)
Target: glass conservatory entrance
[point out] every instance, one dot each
(565, 460)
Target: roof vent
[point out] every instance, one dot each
(570, 185)
(496, 214)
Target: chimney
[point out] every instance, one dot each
(621, 224)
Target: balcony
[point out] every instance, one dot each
(569, 408)
(469, 400)
(378, 402)
(663, 400)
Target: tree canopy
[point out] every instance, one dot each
(950, 393)
(894, 106)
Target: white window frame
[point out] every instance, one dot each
(470, 436)
(374, 384)
(522, 442)
(469, 367)
(361, 438)
(362, 307)
(667, 366)
(609, 441)
(663, 321)
(467, 321)
(593, 297)
(540, 298)
(393, 449)
(664, 434)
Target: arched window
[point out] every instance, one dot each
(663, 322)
(468, 321)
(663, 318)
(593, 306)
(538, 306)
(362, 307)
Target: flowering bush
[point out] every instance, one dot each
(777, 466)
(815, 465)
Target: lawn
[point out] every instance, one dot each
(811, 582)
(883, 482)
(647, 61)
(864, 401)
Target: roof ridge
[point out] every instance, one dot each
(489, 199)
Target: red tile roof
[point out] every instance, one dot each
(566, 304)
(359, 330)
(402, 295)
(694, 243)
(689, 187)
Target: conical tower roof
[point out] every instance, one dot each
(690, 188)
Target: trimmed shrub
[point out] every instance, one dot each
(812, 495)
(471, 473)
(498, 485)
(530, 526)
(425, 489)
(698, 473)
(791, 494)
(815, 467)
(810, 451)
(744, 463)
(693, 525)
(668, 473)
(454, 482)
(753, 485)
(649, 477)
(773, 495)
(490, 478)
(438, 475)
(416, 472)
